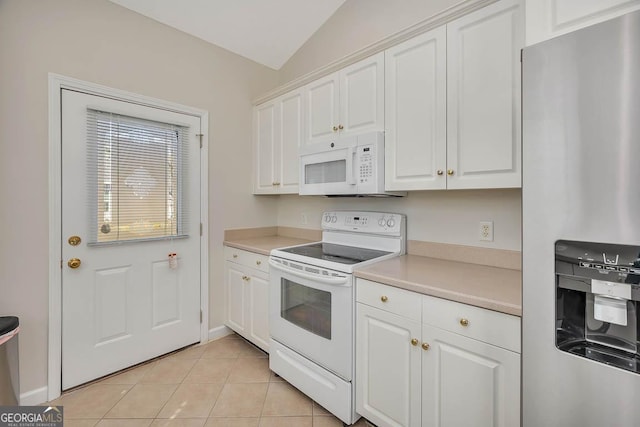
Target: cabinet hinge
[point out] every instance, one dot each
(200, 135)
(200, 316)
(201, 229)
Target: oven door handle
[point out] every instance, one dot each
(336, 281)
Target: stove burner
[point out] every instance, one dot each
(336, 253)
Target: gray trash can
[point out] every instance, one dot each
(9, 365)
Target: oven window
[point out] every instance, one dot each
(307, 308)
(322, 173)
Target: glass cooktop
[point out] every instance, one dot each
(336, 253)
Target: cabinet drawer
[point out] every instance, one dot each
(246, 258)
(388, 298)
(499, 329)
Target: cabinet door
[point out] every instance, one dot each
(483, 97)
(362, 96)
(290, 137)
(468, 382)
(266, 132)
(551, 18)
(258, 309)
(387, 368)
(415, 108)
(321, 99)
(236, 283)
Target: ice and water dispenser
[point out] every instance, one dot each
(597, 301)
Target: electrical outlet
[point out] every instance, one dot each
(486, 231)
(303, 219)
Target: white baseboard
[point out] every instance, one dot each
(34, 397)
(219, 332)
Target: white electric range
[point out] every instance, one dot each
(312, 303)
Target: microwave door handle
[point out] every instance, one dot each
(336, 281)
(351, 166)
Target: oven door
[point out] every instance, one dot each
(311, 312)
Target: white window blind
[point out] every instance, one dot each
(137, 171)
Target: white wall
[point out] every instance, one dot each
(437, 216)
(101, 42)
(357, 24)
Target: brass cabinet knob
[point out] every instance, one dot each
(235, 255)
(440, 172)
(276, 183)
(449, 172)
(464, 322)
(384, 298)
(258, 262)
(340, 127)
(335, 128)
(74, 263)
(245, 277)
(425, 346)
(74, 240)
(414, 342)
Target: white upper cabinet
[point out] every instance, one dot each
(277, 135)
(346, 102)
(550, 18)
(483, 97)
(415, 113)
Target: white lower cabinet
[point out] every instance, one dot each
(247, 295)
(413, 373)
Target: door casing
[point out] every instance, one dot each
(56, 84)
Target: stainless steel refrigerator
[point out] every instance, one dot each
(581, 228)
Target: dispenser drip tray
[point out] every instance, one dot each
(603, 354)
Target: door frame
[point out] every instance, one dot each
(58, 82)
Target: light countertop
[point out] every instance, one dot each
(264, 244)
(493, 288)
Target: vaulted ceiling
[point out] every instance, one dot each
(266, 31)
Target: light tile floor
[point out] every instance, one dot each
(224, 383)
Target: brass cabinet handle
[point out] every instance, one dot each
(335, 128)
(340, 127)
(384, 298)
(74, 263)
(414, 342)
(440, 172)
(449, 172)
(464, 322)
(246, 277)
(425, 346)
(235, 255)
(258, 262)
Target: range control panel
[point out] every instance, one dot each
(365, 222)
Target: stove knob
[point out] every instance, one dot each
(382, 222)
(334, 218)
(391, 222)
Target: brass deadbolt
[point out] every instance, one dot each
(74, 240)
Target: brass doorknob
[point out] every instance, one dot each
(464, 322)
(450, 172)
(414, 341)
(74, 263)
(384, 298)
(440, 172)
(425, 346)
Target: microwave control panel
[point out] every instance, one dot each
(365, 163)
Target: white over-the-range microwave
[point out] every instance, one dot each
(345, 166)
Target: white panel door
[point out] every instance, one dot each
(362, 96)
(258, 307)
(236, 281)
(290, 138)
(551, 18)
(122, 303)
(387, 368)
(416, 113)
(321, 99)
(266, 133)
(483, 97)
(468, 383)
